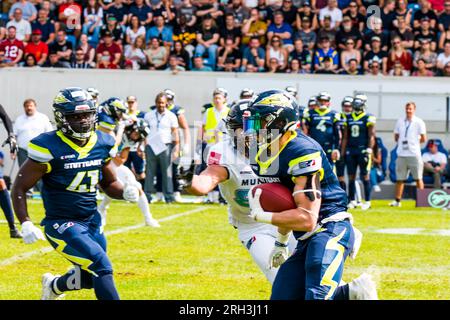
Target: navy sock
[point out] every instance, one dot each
(351, 190)
(5, 203)
(342, 293)
(367, 189)
(142, 182)
(74, 279)
(343, 185)
(105, 288)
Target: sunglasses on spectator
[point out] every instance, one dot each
(349, 42)
(396, 42)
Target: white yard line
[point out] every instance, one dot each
(29, 254)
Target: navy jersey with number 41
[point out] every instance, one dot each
(73, 172)
(358, 132)
(323, 127)
(303, 156)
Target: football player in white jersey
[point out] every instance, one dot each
(230, 170)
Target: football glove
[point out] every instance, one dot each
(256, 211)
(31, 233)
(367, 154)
(186, 150)
(280, 251)
(12, 144)
(185, 176)
(130, 192)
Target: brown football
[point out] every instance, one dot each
(275, 197)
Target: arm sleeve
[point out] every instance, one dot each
(6, 120)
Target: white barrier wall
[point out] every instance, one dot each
(387, 95)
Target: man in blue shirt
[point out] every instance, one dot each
(253, 57)
(143, 11)
(161, 31)
(282, 29)
(325, 51)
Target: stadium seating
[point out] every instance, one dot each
(427, 179)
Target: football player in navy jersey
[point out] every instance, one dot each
(357, 145)
(320, 222)
(72, 161)
(347, 108)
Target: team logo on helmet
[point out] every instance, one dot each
(277, 99)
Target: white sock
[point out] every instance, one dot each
(143, 206)
(104, 205)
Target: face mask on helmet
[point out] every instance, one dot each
(79, 126)
(359, 105)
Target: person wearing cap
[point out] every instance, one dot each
(207, 40)
(410, 131)
(113, 28)
(376, 53)
(376, 31)
(62, 48)
(348, 31)
(425, 11)
(325, 51)
(114, 52)
(307, 34)
(425, 32)
(327, 31)
(282, 29)
(143, 11)
(12, 47)
(333, 12)
(118, 10)
(37, 48)
(434, 163)
(23, 27)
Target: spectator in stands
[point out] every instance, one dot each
(404, 32)
(265, 12)
(163, 9)
(253, 59)
(444, 37)
(358, 19)
(79, 62)
(52, 10)
(164, 125)
(136, 53)
(93, 20)
(402, 11)
(88, 50)
(333, 12)
(53, 61)
(388, 14)
(421, 69)
(229, 58)
(398, 53)
(46, 26)
(444, 18)
(69, 16)
(425, 32)
(281, 29)
(326, 67)
(37, 48)
(114, 29)
(28, 10)
(118, 10)
(409, 133)
(376, 54)
(108, 52)
(398, 71)
(161, 31)
(230, 30)
(62, 48)
(240, 12)
(374, 69)
(173, 65)
(199, 65)
(275, 50)
(157, 55)
(352, 67)
(305, 11)
(273, 66)
(444, 57)
(143, 11)
(327, 31)
(434, 164)
(23, 27)
(425, 12)
(13, 49)
(350, 53)
(209, 7)
(254, 27)
(302, 54)
(325, 51)
(308, 36)
(185, 34)
(189, 12)
(30, 61)
(446, 71)
(207, 40)
(296, 67)
(377, 32)
(348, 31)
(289, 12)
(181, 54)
(426, 54)
(134, 30)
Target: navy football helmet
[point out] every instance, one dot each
(246, 93)
(312, 102)
(323, 100)
(292, 90)
(75, 113)
(359, 103)
(114, 107)
(170, 94)
(141, 127)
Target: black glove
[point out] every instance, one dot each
(185, 176)
(12, 144)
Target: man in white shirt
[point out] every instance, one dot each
(28, 126)
(409, 133)
(434, 163)
(162, 147)
(23, 27)
(28, 9)
(444, 57)
(334, 12)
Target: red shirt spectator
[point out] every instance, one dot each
(437, 5)
(37, 48)
(113, 49)
(70, 12)
(12, 47)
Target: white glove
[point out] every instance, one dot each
(256, 211)
(130, 193)
(369, 150)
(280, 251)
(31, 233)
(336, 155)
(186, 150)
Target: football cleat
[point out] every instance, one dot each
(366, 205)
(352, 205)
(15, 234)
(152, 222)
(47, 291)
(177, 197)
(363, 288)
(395, 203)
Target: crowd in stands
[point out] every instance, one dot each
(353, 37)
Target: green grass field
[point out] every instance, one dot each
(198, 255)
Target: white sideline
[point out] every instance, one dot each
(29, 254)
